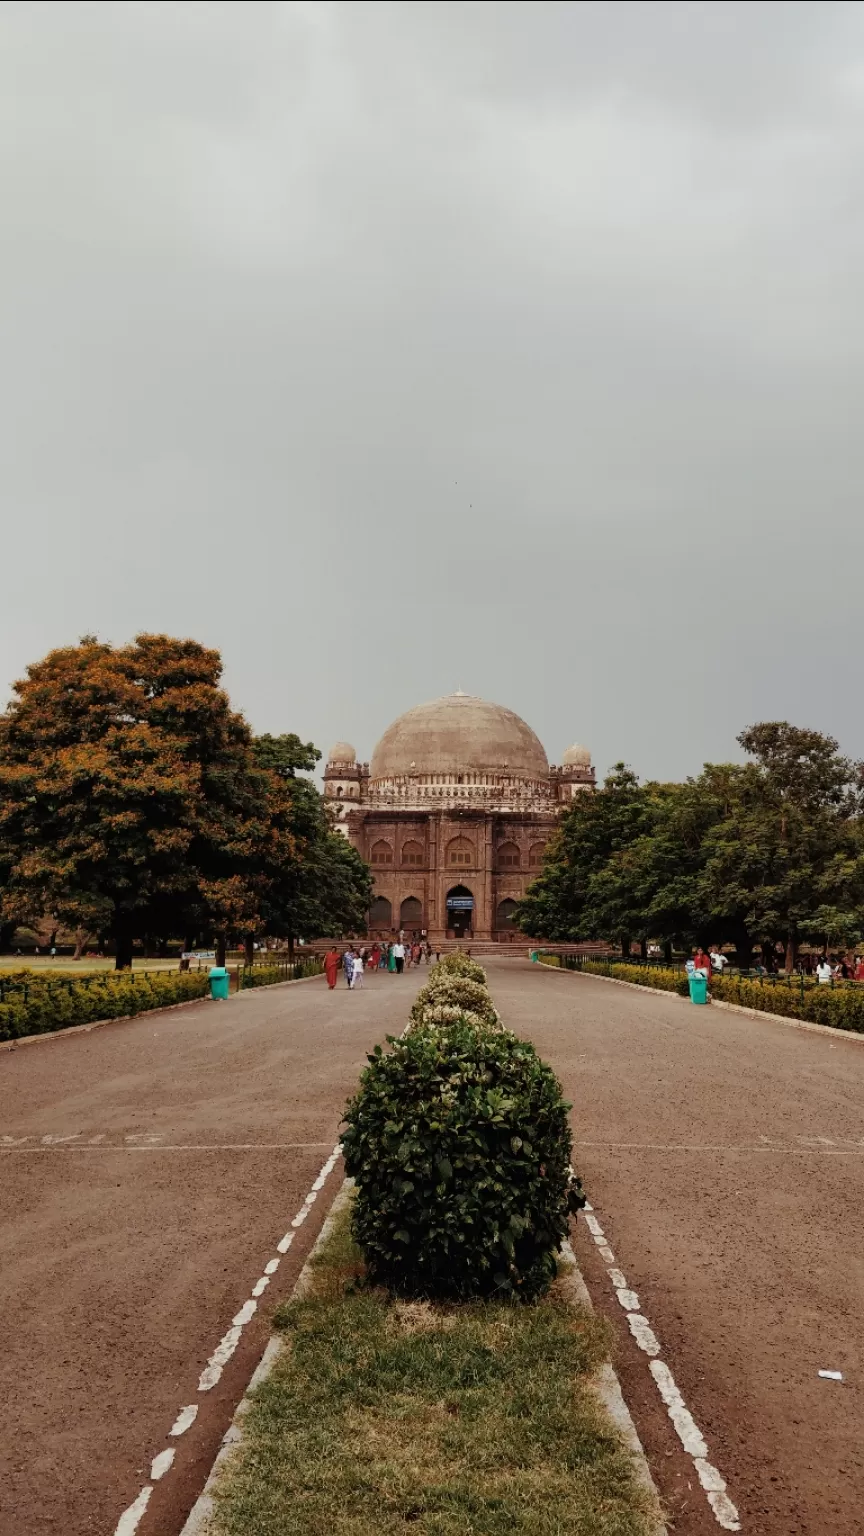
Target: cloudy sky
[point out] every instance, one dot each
(396, 348)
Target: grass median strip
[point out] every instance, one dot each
(475, 1418)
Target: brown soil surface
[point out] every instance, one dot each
(126, 1249)
(724, 1157)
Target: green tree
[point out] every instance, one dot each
(784, 861)
(326, 888)
(586, 889)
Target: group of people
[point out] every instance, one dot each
(713, 963)
(396, 957)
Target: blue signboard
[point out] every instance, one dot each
(461, 903)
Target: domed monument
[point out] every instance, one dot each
(453, 814)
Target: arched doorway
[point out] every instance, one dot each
(460, 912)
(380, 916)
(504, 919)
(411, 915)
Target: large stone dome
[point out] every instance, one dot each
(459, 735)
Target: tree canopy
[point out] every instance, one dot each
(135, 802)
(770, 851)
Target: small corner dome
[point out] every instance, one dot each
(343, 752)
(576, 757)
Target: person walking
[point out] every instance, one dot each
(357, 973)
(399, 957)
(331, 967)
(391, 957)
(348, 964)
(824, 972)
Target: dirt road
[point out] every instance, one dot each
(147, 1171)
(725, 1160)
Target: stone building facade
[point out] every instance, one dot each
(453, 814)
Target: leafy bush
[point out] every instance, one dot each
(460, 964)
(660, 977)
(459, 1143)
(32, 1004)
(841, 1007)
(447, 1013)
(456, 992)
(270, 975)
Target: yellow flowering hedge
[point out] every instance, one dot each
(32, 1003)
(840, 1006)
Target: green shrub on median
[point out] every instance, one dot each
(459, 1143)
(459, 964)
(32, 1004)
(450, 990)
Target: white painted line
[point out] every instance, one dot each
(628, 1299)
(686, 1428)
(220, 1357)
(161, 1463)
(130, 1519)
(184, 1420)
(643, 1333)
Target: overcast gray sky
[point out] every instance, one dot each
(395, 348)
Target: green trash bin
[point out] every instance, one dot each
(699, 989)
(219, 979)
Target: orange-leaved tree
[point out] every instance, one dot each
(130, 799)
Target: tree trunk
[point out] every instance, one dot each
(291, 947)
(791, 953)
(249, 946)
(625, 946)
(123, 956)
(220, 949)
(667, 951)
(643, 948)
(743, 950)
(189, 942)
(7, 934)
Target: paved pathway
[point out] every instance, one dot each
(725, 1160)
(147, 1171)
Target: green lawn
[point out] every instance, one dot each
(462, 1420)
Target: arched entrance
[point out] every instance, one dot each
(380, 916)
(411, 915)
(504, 920)
(460, 912)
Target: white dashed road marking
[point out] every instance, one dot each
(686, 1428)
(131, 1518)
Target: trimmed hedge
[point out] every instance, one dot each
(450, 990)
(841, 1007)
(460, 964)
(271, 975)
(459, 1143)
(34, 1004)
